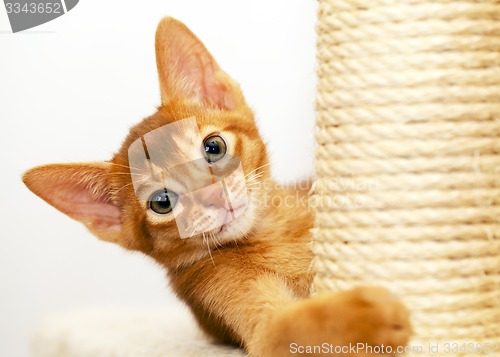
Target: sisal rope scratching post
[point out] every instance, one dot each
(408, 159)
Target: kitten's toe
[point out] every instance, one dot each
(382, 318)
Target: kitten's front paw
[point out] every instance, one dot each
(352, 323)
(373, 317)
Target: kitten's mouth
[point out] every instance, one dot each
(232, 214)
(235, 212)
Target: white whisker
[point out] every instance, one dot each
(120, 165)
(125, 173)
(258, 168)
(130, 168)
(254, 177)
(205, 239)
(194, 230)
(127, 185)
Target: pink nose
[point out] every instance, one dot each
(213, 195)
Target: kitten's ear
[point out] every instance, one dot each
(187, 70)
(82, 192)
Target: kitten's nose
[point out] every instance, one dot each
(213, 195)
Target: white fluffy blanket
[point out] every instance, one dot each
(125, 333)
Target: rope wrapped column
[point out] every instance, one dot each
(408, 159)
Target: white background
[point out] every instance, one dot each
(69, 91)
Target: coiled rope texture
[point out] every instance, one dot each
(408, 159)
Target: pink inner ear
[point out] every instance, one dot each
(77, 202)
(187, 69)
(195, 69)
(200, 74)
(218, 93)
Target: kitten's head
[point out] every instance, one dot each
(192, 170)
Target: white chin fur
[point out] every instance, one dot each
(237, 228)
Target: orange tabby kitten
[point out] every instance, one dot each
(247, 279)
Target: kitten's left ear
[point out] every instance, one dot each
(187, 70)
(81, 191)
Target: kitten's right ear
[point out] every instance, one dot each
(188, 71)
(81, 191)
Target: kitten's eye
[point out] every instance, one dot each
(215, 148)
(163, 201)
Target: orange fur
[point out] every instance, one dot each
(252, 288)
